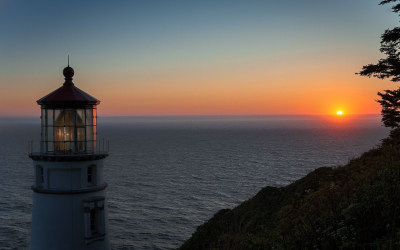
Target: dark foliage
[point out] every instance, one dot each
(388, 67)
(390, 107)
(356, 206)
(395, 8)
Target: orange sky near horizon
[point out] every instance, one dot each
(228, 91)
(297, 59)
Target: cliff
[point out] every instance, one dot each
(356, 206)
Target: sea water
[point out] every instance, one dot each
(168, 175)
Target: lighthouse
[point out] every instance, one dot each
(69, 201)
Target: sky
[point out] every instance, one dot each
(172, 57)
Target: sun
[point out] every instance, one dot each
(339, 112)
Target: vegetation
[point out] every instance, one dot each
(356, 206)
(388, 67)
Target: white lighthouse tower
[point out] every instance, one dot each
(69, 201)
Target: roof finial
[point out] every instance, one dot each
(68, 72)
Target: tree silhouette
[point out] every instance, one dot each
(390, 107)
(388, 67)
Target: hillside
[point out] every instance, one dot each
(356, 206)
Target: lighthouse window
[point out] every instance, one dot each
(91, 175)
(93, 221)
(94, 217)
(39, 176)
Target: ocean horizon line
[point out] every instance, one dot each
(205, 115)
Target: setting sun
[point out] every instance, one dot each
(339, 112)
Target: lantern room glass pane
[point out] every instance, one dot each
(50, 117)
(59, 118)
(80, 116)
(68, 131)
(89, 116)
(43, 133)
(50, 134)
(81, 134)
(50, 147)
(89, 146)
(69, 117)
(59, 139)
(69, 146)
(43, 117)
(81, 139)
(89, 133)
(69, 134)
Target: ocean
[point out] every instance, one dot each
(168, 175)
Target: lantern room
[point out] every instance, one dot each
(68, 119)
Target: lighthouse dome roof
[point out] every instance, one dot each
(68, 94)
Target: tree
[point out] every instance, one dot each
(390, 107)
(388, 67)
